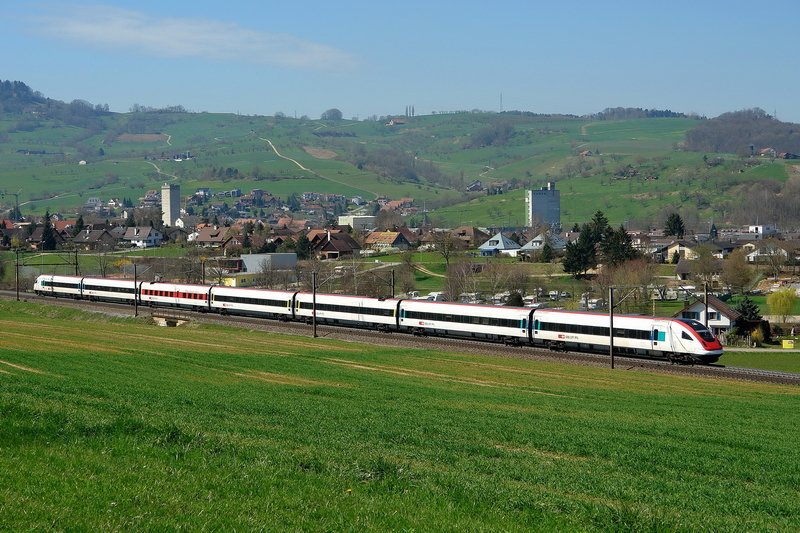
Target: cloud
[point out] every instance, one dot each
(185, 37)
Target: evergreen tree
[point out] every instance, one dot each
(303, 247)
(48, 233)
(617, 247)
(580, 255)
(293, 202)
(130, 222)
(79, 225)
(547, 253)
(749, 310)
(599, 226)
(674, 226)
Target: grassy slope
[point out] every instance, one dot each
(136, 427)
(540, 150)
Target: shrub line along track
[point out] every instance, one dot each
(397, 340)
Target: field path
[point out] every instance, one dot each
(173, 176)
(426, 271)
(301, 167)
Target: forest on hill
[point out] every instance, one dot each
(743, 133)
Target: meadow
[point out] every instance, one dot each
(118, 424)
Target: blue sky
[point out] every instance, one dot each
(374, 58)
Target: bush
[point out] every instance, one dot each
(757, 336)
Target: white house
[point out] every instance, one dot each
(499, 244)
(143, 237)
(557, 244)
(721, 318)
(765, 253)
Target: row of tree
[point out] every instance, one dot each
(598, 242)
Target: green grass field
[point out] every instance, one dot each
(774, 359)
(117, 424)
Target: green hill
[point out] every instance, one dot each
(636, 170)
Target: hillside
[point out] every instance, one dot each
(637, 169)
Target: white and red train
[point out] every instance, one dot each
(677, 340)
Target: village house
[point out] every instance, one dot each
(499, 244)
(335, 246)
(381, 240)
(35, 239)
(535, 245)
(143, 237)
(94, 240)
(721, 318)
(689, 250)
(210, 236)
(470, 236)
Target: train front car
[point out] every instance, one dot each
(692, 341)
(58, 286)
(676, 340)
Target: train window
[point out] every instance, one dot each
(686, 336)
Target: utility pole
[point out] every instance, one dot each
(16, 273)
(314, 302)
(392, 283)
(611, 306)
(611, 325)
(135, 295)
(705, 303)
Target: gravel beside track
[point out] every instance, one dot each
(414, 342)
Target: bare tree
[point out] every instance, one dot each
(518, 279)
(266, 276)
(388, 219)
(736, 273)
(774, 256)
(705, 265)
(457, 279)
(506, 277)
(496, 276)
(446, 244)
(215, 271)
(635, 277)
(406, 272)
(104, 262)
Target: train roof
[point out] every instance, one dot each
(305, 293)
(471, 306)
(590, 313)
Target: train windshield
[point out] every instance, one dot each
(700, 329)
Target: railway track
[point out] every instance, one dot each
(404, 340)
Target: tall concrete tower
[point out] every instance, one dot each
(543, 206)
(170, 204)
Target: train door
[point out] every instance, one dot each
(658, 336)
